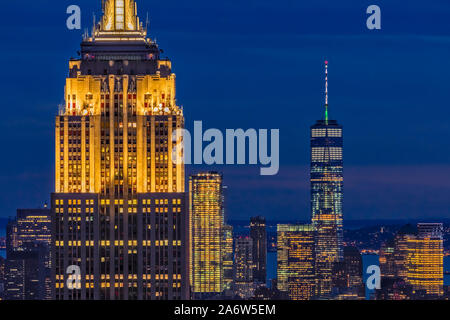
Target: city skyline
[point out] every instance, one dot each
(402, 179)
(130, 219)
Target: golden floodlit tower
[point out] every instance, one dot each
(206, 233)
(119, 203)
(426, 263)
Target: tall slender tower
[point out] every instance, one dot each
(258, 234)
(206, 233)
(228, 258)
(244, 285)
(327, 194)
(119, 211)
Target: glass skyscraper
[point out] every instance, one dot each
(206, 233)
(327, 195)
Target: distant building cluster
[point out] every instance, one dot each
(27, 268)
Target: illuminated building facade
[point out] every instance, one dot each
(327, 193)
(206, 233)
(405, 241)
(28, 263)
(296, 261)
(228, 259)
(426, 264)
(258, 234)
(244, 285)
(31, 226)
(119, 208)
(387, 261)
(413, 262)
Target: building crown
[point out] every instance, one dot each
(120, 16)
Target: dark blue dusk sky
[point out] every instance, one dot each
(259, 64)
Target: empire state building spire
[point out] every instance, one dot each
(120, 15)
(326, 92)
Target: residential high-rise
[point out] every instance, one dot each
(296, 261)
(206, 233)
(119, 207)
(327, 195)
(244, 285)
(228, 257)
(28, 263)
(258, 233)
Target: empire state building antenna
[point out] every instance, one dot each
(326, 92)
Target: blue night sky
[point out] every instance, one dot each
(259, 64)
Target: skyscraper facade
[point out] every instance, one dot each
(296, 261)
(206, 233)
(413, 262)
(258, 233)
(119, 207)
(327, 193)
(28, 263)
(387, 261)
(426, 267)
(244, 285)
(31, 226)
(228, 257)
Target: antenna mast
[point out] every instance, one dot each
(326, 92)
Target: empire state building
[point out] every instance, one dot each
(119, 207)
